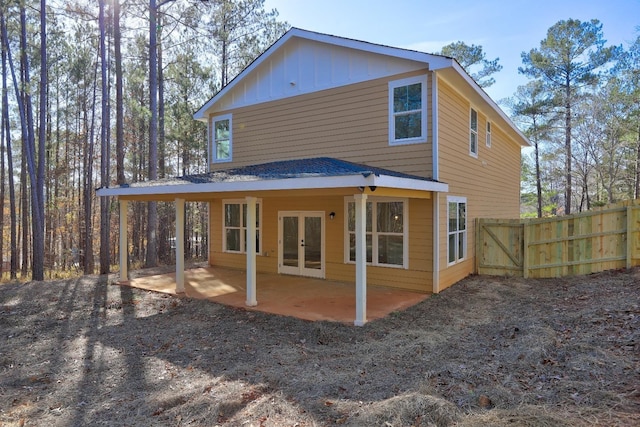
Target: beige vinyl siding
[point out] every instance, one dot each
(490, 182)
(349, 123)
(418, 277)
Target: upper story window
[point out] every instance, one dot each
(473, 133)
(386, 232)
(489, 134)
(408, 110)
(221, 139)
(456, 229)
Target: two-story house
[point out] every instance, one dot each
(350, 161)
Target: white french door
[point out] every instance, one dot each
(301, 243)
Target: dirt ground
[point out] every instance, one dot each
(488, 351)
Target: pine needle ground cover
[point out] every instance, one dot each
(488, 351)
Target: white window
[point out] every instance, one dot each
(489, 134)
(221, 139)
(386, 232)
(408, 110)
(234, 226)
(473, 133)
(456, 229)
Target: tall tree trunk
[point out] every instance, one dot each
(86, 251)
(117, 44)
(6, 125)
(638, 165)
(152, 222)
(89, 264)
(104, 149)
(4, 120)
(21, 98)
(24, 213)
(49, 208)
(163, 209)
(567, 142)
(38, 245)
(36, 170)
(161, 131)
(58, 214)
(538, 173)
(225, 54)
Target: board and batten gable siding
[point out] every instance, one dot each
(348, 122)
(302, 66)
(418, 277)
(490, 182)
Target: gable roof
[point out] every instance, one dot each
(434, 61)
(446, 67)
(313, 173)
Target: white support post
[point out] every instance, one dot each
(124, 244)
(361, 259)
(251, 252)
(435, 288)
(179, 245)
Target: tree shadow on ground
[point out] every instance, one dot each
(123, 356)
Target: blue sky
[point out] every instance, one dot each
(504, 28)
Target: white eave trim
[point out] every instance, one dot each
(386, 181)
(279, 184)
(486, 98)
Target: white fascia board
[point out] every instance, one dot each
(279, 184)
(486, 98)
(386, 181)
(435, 62)
(262, 185)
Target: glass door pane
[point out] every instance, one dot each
(313, 242)
(290, 241)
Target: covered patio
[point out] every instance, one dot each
(282, 184)
(301, 297)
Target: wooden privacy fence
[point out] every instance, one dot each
(604, 239)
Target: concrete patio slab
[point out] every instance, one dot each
(301, 297)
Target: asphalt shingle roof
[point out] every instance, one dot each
(285, 169)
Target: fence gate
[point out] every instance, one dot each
(499, 247)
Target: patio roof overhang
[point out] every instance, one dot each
(290, 175)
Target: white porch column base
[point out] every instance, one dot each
(361, 259)
(179, 245)
(251, 252)
(124, 244)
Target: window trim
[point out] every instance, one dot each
(422, 79)
(473, 132)
(488, 140)
(243, 249)
(458, 200)
(375, 233)
(214, 151)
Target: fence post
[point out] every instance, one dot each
(629, 236)
(478, 245)
(525, 249)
